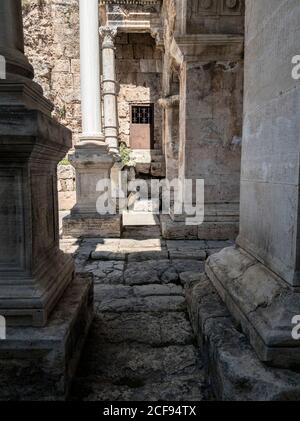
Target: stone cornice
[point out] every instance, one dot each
(138, 2)
(207, 46)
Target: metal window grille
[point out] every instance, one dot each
(142, 114)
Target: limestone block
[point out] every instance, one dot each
(92, 226)
(260, 301)
(75, 65)
(235, 371)
(150, 66)
(62, 66)
(138, 51)
(50, 354)
(127, 51)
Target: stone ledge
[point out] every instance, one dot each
(261, 302)
(39, 363)
(234, 370)
(218, 230)
(108, 226)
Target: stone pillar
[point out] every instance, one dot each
(109, 88)
(259, 279)
(30, 254)
(210, 126)
(37, 284)
(95, 155)
(90, 71)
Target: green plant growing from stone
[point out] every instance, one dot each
(62, 112)
(64, 161)
(125, 154)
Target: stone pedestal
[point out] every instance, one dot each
(259, 280)
(39, 363)
(33, 271)
(92, 163)
(47, 315)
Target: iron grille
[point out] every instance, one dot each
(142, 114)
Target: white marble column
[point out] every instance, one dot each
(90, 71)
(109, 89)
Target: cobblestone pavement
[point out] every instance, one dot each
(141, 345)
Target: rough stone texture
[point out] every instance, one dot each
(256, 280)
(270, 167)
(140, 345)
(89, 226)
(260, 301)
(66, 187)
(138, 68)
(235, 371)
(33, 271)
(51, 35)
(39, 363)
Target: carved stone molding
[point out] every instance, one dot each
(215, 7)
(108, 34)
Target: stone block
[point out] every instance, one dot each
(62, 66)
(261, 302)
(90, 226)
(39, 363)
(66, 200)
(234, 370)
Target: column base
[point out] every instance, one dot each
(39, 363)
(93, 225)
(261, 302)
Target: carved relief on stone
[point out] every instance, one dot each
(204, 7)
(215, 7)
(231, 7)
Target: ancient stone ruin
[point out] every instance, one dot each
(149, 194)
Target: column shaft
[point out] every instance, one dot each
(109, 89)
(90, 70)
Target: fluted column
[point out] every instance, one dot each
(109, 88)
(90, 71)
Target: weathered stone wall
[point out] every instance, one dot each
(51, 30)
(139, 69)
(270, 160)
(66, 186)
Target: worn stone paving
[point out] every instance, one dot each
(141, 345)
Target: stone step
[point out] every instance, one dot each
(146, 298)
(138, 364)
(156, 329)
(137, 218)
(141, 232)
(176, 389)
(159, 271)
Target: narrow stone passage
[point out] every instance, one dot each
(141, 345)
